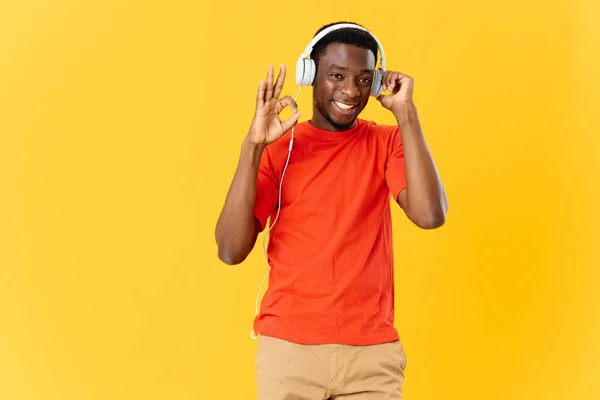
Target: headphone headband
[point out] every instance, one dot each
(332, 28)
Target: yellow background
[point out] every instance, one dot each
(120, 128)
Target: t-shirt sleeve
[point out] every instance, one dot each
(266, 190)
(395, 174)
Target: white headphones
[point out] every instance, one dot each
(306, 68)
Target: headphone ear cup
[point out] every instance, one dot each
(299, 71)
(377, 83)
(305, 72)
(312, 68)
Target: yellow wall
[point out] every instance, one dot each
(120, 126)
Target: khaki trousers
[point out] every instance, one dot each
(291, 371)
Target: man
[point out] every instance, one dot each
(326, 320)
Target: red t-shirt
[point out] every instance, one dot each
(330, 251)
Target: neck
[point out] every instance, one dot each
(325, 123)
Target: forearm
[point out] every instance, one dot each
(426, 201)
(235, 232)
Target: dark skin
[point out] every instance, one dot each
(341, 91)
(237, 228)
(344, 74)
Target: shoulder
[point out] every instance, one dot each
(386, 138)
(374, 127)
(385, 134)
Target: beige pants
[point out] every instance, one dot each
(290, 371)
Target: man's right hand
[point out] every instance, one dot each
(266, 126)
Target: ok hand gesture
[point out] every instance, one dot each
(266, 126)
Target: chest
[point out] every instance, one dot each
(321, 174)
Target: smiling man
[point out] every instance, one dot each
(327, 319)
(336, 108)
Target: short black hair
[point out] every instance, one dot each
(352, 36)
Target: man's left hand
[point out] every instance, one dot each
(401, 88)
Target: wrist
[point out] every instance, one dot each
(252, 150)
(405, 112)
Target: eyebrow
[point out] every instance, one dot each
(335, 66)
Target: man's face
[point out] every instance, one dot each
(342, 86)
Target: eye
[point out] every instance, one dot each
(336, 76)
(366, 81)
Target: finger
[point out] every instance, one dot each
(407, 85)
(260, 95)
(401, 79)
(269, 93)
(383, 81)
(279, 82)
(405, 79)
(288, 101)
(393, 79)
(386, 80)
(291, 121)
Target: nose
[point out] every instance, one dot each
(349, 89)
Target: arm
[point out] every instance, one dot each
(237, 227)
(424, 199)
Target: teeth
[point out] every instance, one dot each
(343, 106)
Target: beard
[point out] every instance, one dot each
(340, 126)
